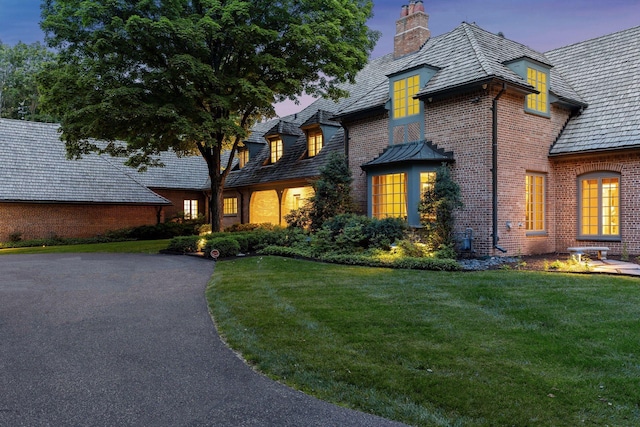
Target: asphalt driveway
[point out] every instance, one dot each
(126, 340)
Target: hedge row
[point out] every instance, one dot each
(367, 261)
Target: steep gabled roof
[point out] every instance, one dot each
(606, 72)
(293, 164)
(464, 56)
(34, 168)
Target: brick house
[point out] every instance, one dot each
(545, 146)
(42, 193)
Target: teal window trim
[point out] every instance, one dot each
(520, 67)
(424, 74)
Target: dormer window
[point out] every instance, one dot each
(243, 157)
(403, 92)
(314, 142)
(275, 148)
(538, 102)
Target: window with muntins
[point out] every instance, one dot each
(243, 157)
(275, 147)
(389, 195)
(230, 206)
(314, 142)
(403, 92)
(190, 209)
(599, 204)
(535, 203)
(538, 102)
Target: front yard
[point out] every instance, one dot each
(440, 348)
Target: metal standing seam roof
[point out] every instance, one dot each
(413, 152)
(606, 72)
(34, 168)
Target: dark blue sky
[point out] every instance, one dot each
(539, 24)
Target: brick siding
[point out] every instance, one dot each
(39, 220)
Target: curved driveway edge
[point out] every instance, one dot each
(126, 340)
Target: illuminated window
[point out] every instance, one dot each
(243, 157)
(534, 202)
(599, 205)
(403, 102)
(314, 142)
(538, 102)
(427, 181)
(275, 146)
(230, 206)
(190, 209)
(389, 195)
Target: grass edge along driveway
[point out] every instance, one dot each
(435, 348)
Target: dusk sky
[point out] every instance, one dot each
(540, 24)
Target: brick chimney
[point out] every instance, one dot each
(411, 29)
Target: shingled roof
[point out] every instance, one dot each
(293, 164)
(606, 72)
(34, 168)
(464, 56)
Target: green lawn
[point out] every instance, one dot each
(433, 348)
(137, 246)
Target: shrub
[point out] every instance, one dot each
(15, 237)
(349, 233)
(228, 246)
(186, 244)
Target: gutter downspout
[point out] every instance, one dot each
(494, 166)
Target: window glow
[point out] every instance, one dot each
(600, 206)
(243, 157)
(534, 202)
(275, 145)
(190, 209)
(403, 102)
(314, 142)
(537, 79)
(389, 195)
(230, 206)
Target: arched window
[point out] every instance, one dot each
(599, 205)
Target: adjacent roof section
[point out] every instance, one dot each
(606, 72)
(34, 168)
(414, 152)
(184, 173)
(293, 165)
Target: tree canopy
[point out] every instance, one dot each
(19, 66)
(193, 76)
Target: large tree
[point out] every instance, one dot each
(193, 76)
(19, 66)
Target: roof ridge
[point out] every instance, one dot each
(594, 39)
(482, 59)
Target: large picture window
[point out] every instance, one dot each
(599, 205)
(535, 203)
(389, 195)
